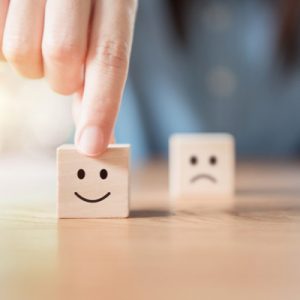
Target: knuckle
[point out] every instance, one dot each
(2, 57)
(16, 54)
(61, 53)
(113, 55)
(65, 89)
(34, 74)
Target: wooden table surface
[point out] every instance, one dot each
(249, 251)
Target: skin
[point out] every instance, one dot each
(82, 48)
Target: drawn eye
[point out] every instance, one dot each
(213, 160)
(80, 173)
(193, 160)
(103, 174)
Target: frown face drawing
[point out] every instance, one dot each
(194, 161)
(201, 164)
(93, 187)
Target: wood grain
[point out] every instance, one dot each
(250, 251)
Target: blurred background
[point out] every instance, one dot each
(197, 65)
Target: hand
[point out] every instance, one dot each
(82, 47)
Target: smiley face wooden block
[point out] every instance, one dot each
(201, 165)
(93, 187)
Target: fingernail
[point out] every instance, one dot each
(91, 141)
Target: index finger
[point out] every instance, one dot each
(3, 14)
(106, 72)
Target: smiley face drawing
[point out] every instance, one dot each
(201, 165)
(103, 175)
(93, 187)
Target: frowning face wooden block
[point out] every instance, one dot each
(201, 165)
(93, 187)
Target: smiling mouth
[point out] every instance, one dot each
(93, 200)
(204, 176)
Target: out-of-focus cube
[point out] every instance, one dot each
(93, 187)
(202, 166)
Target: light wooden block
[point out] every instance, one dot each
(93, 187)
(201, 166)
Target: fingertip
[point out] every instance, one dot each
(90, 141)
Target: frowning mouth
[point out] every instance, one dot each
(204, 176)
(92, 200)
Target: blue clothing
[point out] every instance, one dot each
(228, 78)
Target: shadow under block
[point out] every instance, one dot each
(202, 166)
(93, 187)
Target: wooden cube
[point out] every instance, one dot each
(93, 187)
(201, 165)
